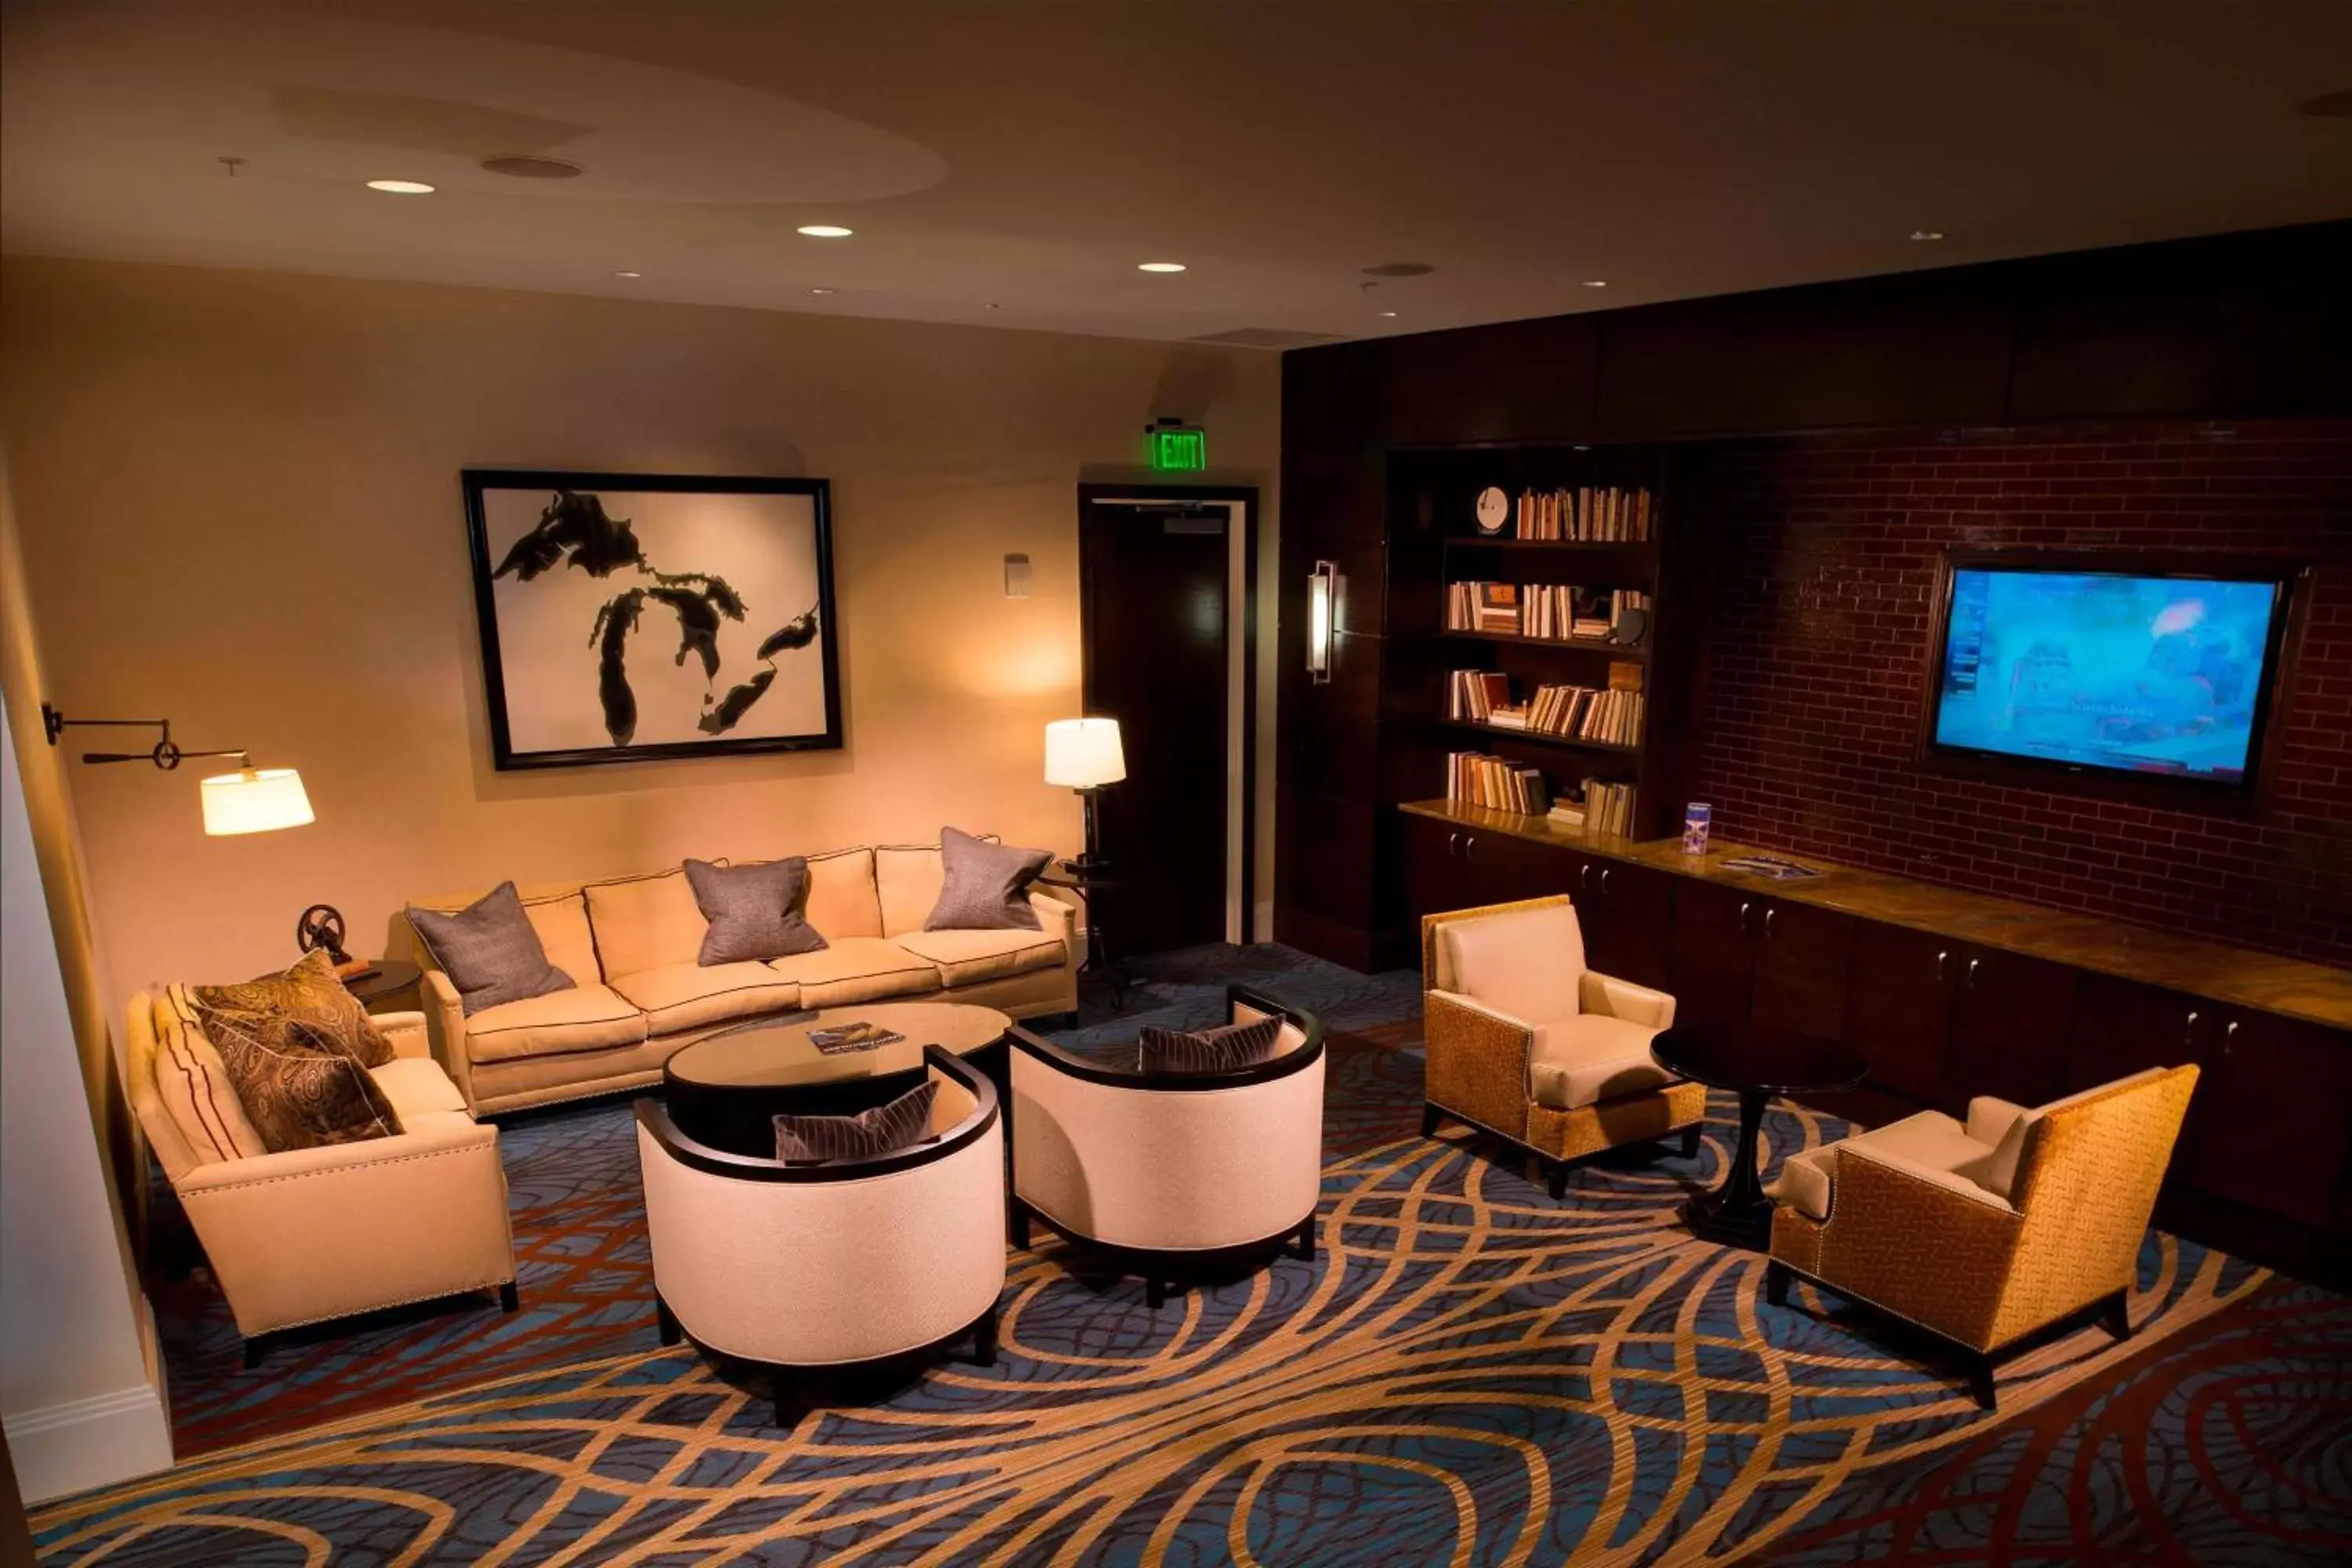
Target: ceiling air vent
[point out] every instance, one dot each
(1267, 337)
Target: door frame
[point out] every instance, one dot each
(1241, 667)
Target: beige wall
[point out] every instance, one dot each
(239, 508)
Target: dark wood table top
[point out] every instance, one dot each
(777, 1052)
(1758, 1058)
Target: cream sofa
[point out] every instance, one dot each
(316, 1234)
(630, 946)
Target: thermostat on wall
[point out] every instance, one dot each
(1017, 577)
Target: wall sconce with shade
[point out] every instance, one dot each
(1322, 611)
(1084, 754)
(250, 800)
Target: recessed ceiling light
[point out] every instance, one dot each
(1596, 283)
(820, 291)
(1388, 313)
(1926, 234)
(401, 187)
(628, 275)
(827, 231)
(1159, 267)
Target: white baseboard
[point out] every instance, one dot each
(90, 1443)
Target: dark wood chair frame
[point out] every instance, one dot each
(799, 1388)
(1164, 1268)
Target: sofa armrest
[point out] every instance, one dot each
(408, 1033)
(1054, 916)
(444, 1022)
(1477, 1061)
(1614, 998)
(1989, 1119)
(314, 1234)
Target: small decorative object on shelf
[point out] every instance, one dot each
(1494, 510)
(1696, 817)
(320, 927)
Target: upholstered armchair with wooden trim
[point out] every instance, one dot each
(819, 1271)
(1527, 1044)
(1992, 1232)
(1172, 1170)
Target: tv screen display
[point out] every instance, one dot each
(2160, 675)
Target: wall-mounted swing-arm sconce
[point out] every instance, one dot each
(250, 800)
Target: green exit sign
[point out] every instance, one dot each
(1179, 448)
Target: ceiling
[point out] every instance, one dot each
(1010, 162)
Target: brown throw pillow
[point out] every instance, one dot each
(298, 1046)
(883, 1130)
(985, 885)
(489, 950)
(1208, 1051)
(754, 911)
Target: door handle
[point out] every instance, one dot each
(1604, 878)
(1973, 964)
(1468, 845)
(2189, 1030)
(1744, 907)
(1453, 844)
(1769, 911)
(2230, 1038)
(1943, 965)
(1584, 878)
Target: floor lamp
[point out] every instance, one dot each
(1084, 755)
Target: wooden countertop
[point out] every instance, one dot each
(2193, 965)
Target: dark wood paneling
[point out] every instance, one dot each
(1711, 953)
(1325, 856)
(1519, 380)
(2242, 324)
(1800, 969)
(2273, 1116)
(1899, 1008)
(2010, 1022)
(1921, 349)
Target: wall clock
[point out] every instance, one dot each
(1494, 510)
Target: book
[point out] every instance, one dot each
(855, 1035)
(1477, 779)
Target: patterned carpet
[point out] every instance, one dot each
(1468, 1373)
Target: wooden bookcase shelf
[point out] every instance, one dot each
(1543, 738)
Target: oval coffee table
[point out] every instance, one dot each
(722, 1089)
(1755, 1061)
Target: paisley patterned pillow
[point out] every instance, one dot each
(298, 1047)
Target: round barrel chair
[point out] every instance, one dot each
(1169, 1174)
(818, 1271)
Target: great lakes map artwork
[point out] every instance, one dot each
(629, 617)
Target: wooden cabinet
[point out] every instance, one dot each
(1899, 1008)
(2011, 1015)
(2121, 1028)
(1627, 911)
(1738, 954)
(1449, 868)
(2271, 1123)
(1710, 955)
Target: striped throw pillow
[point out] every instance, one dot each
(883, 1130)
(194, 1085)
(1208, 1051)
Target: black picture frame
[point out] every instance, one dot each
(477, 483)
(2248, 795)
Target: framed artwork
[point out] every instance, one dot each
(631, 617)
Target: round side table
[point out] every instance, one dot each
(386, 985)
(1755, 1061)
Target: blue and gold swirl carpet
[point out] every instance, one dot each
(1468, 1373)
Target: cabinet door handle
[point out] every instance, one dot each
(2229, 1037)
(2189, 1029)
(1584, 877)
(1743, 915)
(1943, 966)
(1973, 963)
(1769, 911)
(1468, 845)
(1453, 844)
(1604, 878)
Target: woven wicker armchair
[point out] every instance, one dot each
(1527, 1044)
(1990, 1233)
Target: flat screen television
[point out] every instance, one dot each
(2157, 674)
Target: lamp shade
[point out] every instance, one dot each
(1084, 753)
(257, 800)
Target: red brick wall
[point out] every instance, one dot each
(1824, 553)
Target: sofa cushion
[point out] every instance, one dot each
(561, 923)
(690, 996)
(417, 1089)
(584, 1018)
(1529, 963)
(984, 885)
(1587, 1059)
(968, 957)
(906, 882)
(1930, 1142)
(194, 1085)
(842, 898)
(857, 969)
(644, 922)
(754, 911)
(489, 950)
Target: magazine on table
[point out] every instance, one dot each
(855, 1035)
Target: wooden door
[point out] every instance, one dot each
(1432, 869)
(1899, 1008)
(2271, 1122)
(2010, 1025)
(1153, 604)
(1801, 954)
(1494, 868)
(1631, 913)
(1711, 953)
(2121, 1026)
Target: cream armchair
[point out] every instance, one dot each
(311, 1234)
(1527, 1044)
(1990, 1232)
(814, 1270)
(1172, 1170)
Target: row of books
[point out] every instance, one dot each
(1538, 609)
(1477, 779)
(1594, 516)
(1588, 713)
(1605, 808)
(1479, 695)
